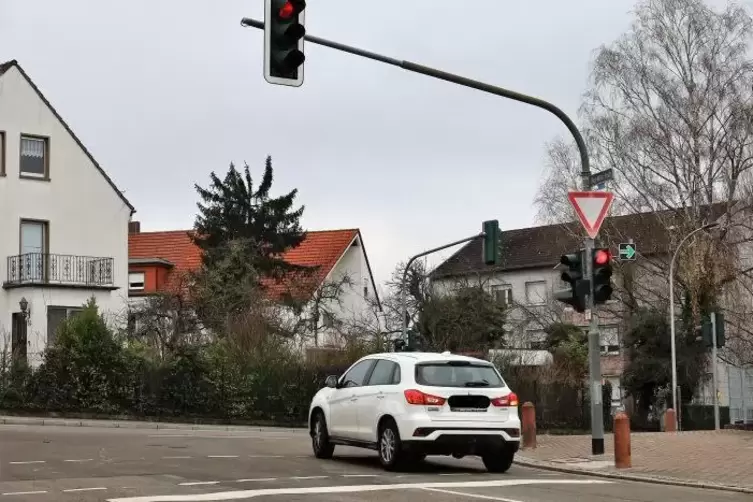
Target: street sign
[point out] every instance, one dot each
(627, 251)
(591, 209)
(600, 178)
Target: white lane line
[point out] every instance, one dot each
(455, 474)
(28, 462)
(93, 489)
(471, 495)
(361, 475)
(223, 456)
(38, 492)
(265, 456)
(299, 478)
(199, 483)
(246, 494)
(253, 480)
(79, 460)
(174, 457)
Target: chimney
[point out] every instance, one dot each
(134, 227)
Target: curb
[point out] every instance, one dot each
(133, 424)
(642, 478)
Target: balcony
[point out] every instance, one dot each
(59, 270)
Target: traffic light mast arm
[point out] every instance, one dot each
(403, 303)
(459, 80)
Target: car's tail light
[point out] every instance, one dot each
(509, 400)
(417, 397)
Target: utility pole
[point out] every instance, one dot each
(714, 383)
(597, 424)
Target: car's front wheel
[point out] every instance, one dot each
(499, 461)
(320, 442)
(389, 446)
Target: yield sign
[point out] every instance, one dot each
(591, 208)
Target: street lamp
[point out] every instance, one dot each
(672, 309)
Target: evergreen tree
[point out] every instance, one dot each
(231, 211)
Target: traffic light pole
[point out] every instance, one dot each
(594, 357)
(714, 383)
(403, 299)
(597, 424)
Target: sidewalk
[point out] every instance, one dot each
(134, 424)
(710, 459)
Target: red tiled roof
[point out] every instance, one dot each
(320, 248)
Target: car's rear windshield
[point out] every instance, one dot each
(458, 374)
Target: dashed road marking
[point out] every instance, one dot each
(199, 483)
(37, 492)
(79, 460)
(92, 489)
(265, 456)
(176, 457)
(360, 475)
(471, 495)
(300, 478)
(253, 480)
(223, 456)
(24, 462)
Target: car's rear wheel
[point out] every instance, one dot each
(389, 446)
(320, 442)
(499, 461)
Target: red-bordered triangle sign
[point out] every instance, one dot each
(591, 208)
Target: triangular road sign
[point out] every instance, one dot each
(591, 208)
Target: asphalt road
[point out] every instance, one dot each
(66, 464)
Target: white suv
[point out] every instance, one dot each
(407, 405)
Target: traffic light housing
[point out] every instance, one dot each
(491, 251)
(284, 29)
(707, 333)
(575, 295)
(601, 261)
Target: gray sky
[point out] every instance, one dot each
(163, 92)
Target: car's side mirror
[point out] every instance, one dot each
(331, 382)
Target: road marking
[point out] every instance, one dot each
(223, 456)
(251, 480)
(80, 460)
(361, 475)
(98, 488)
(471, 495)
(38, 492)
(265, 456)
(245, 494)
(199, 483)
(455, 474)
(28, 462)
(176, 457)
(299, 478)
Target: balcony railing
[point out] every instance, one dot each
(59, 269)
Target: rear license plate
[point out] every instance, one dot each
(471, 410)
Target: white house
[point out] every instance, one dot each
(63, 221)
(159, 262)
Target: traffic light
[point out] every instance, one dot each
(707, 333)
(491, 251)
(602, 274)
(283, 42)
(576, 294)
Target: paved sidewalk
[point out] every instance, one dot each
(700, 458)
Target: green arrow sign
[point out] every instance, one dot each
(627, 251)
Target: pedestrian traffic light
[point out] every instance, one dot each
(602, 274)
(575, 295)
(491, 251)
(283, 42)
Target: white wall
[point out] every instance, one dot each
(86, 216)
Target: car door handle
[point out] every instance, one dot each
(380, 396)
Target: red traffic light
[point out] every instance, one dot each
(287, 11)
(602, 256)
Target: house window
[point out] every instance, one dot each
(2, 153)
(609, 340)
(535, 339)
(536, 292)
(136, 281)
(502, 293)
(34, 156)
(365, 287)
(33, 250)
(55, 317)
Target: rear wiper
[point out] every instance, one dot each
(477, 383)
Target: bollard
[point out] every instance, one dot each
(670, 421)
(623, 458)
(528, 424)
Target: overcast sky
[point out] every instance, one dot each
(163, 92)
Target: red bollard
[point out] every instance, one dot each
(528, 424)
(623, 457)
(670, 421)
